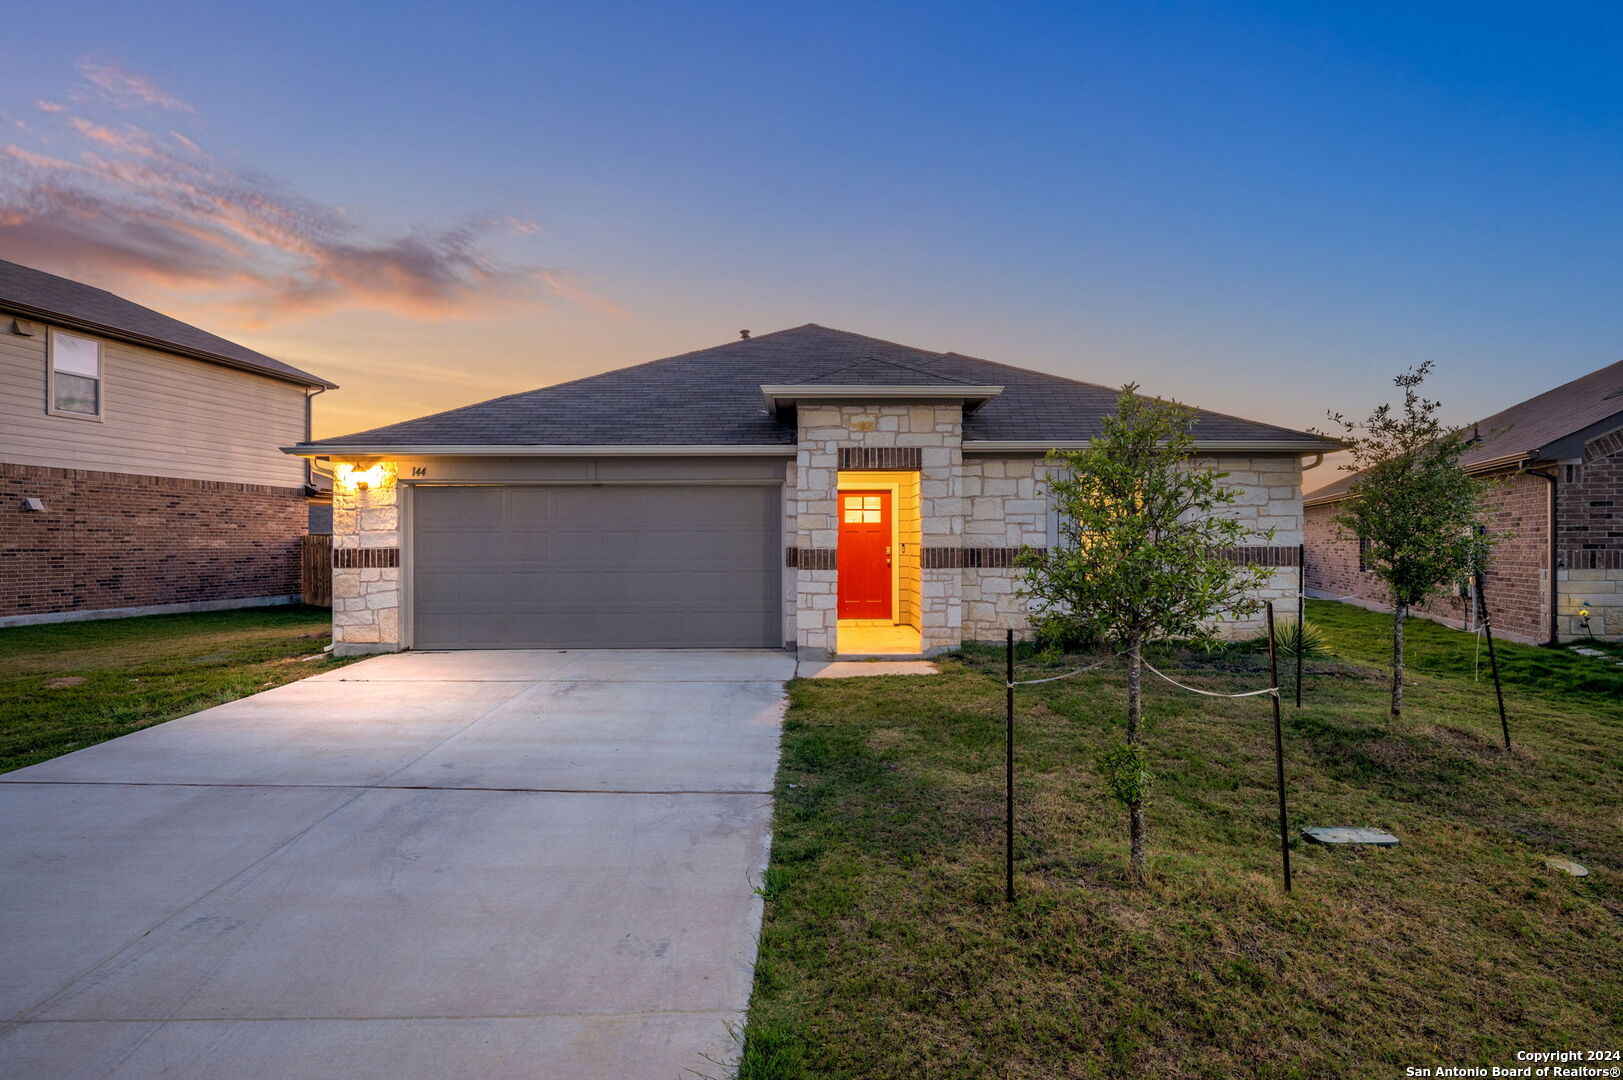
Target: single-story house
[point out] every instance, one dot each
(1557, 504)
(811, 489)
(140, 460)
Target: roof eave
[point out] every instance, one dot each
(778, 395)
(1227, 446)
(376, 450)
(1476, 468)
(28, 311)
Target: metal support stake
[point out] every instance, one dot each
(1301, 616)
(1493, 657)
(1279, 750)
(1008, 774)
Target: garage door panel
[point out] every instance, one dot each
(596, 567)
(469, 590)
(457, 506)
(470, 550)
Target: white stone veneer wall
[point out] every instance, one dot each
(1006, 506)
(1598, 591)
(366, 600)
(791, 576)
(938, 431)
(976, 502)
(1270, 498)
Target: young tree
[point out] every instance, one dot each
(1419, 514)
(1141, 556)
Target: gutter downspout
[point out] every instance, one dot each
(1555, 585)
(309, 430)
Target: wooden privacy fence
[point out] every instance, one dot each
(315, 569)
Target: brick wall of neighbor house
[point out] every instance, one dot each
(1518, 575)
(936, 431)
(1006, 508)
(1590, 539)
(114, 540)
(366, 568)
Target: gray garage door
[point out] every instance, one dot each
(596, 567)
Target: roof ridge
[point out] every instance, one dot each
(565, 383)
(716, 389)
(894, 364)
(32, 293)
(739, 343)
(87, 285)
(1503, 430)
(1541, 395)
(1201, 409)
(866, 337)
(1045, 374)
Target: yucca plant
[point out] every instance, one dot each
(1292, 637)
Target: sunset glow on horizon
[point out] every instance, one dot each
(1259, 210)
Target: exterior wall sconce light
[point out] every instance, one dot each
(358, 478)
(32, 504)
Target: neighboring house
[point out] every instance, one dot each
(140, 468)
(809, 488)
(1557, 503)
(320, 503)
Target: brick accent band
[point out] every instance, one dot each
(364, 558)
(1264, 555)
(1591, 559)
(990, 558)
(881, 457)
(970, 558)
(809, 558)
(950, 558)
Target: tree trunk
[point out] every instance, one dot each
(1399, 613)
(1135, 808)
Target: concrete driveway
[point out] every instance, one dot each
(486, 865)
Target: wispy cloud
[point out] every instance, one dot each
(111, 200)
(127, 90)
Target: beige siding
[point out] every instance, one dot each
(163, 415)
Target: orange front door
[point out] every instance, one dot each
(864, 555)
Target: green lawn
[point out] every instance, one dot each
(887, 950)
(1435, 649)
(65, 686)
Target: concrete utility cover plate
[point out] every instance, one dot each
(847, 669)
(1347, 834)
(1566, 866)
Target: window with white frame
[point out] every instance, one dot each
(75, 370)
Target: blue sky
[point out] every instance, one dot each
(1263, 209)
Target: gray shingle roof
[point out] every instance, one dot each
(34, 294)
(712, 397)
(1529, 429)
